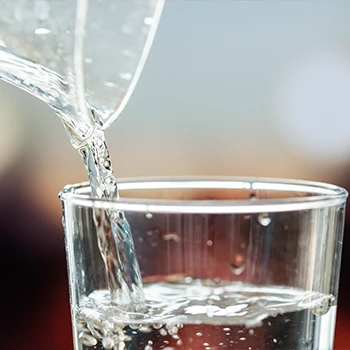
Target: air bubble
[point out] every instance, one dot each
(238, 265)
(149, 216)
(264, 219)
(199, 334)
(323, 306)
(157, 325)
(163, 332)
(107, 164)
(145, 329)
(135, 326)
(209, 243)
(172, 329)
(251, 331)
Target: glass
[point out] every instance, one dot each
(226, 263)
(77, 55)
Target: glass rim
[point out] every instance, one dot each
(317, 195)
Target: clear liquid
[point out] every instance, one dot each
(202, 314)
(115, 240)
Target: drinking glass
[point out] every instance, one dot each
(226, 263)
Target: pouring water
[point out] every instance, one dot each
(83, 59)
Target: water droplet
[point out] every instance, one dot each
(199, 334)
(42, 31)
(209, 243)
(148, 20)
(275, 340)
(264, 219)
(87, 339)
(149, 215)
(226, 329)
(205, 344)
(125, 76)
(242, 338)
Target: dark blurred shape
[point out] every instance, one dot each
(34, 293)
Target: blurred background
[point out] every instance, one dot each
(258, 88)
